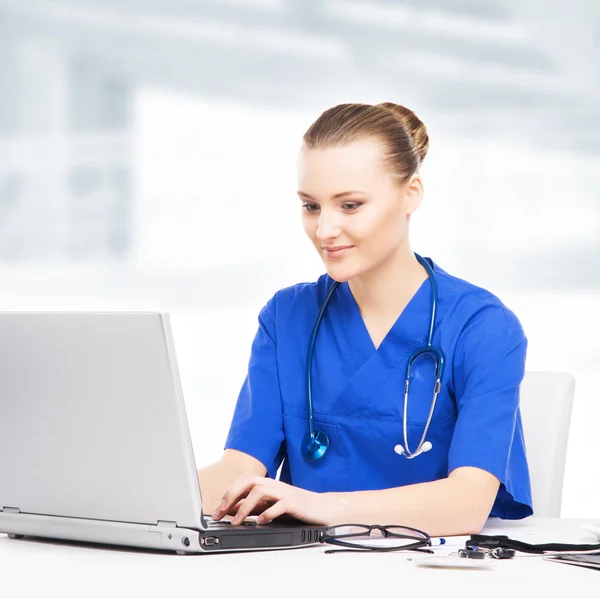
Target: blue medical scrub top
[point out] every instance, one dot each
(358, 392)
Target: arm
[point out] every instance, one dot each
(217, 477)
(457, 505)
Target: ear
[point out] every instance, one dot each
(414, 193)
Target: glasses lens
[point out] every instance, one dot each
(402, 531)
(348, 530)
(361, 536)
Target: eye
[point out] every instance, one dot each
(310, 207)
(351, 206)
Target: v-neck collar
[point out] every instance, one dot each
(409, 330)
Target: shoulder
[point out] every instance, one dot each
(296, 301)
(473, 306)
(484, 333)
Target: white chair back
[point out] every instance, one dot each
(546, 400)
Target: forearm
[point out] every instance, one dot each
(451, 506)
(214, 480)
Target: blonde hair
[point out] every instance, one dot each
(403, 134)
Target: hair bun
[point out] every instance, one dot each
(412, 124)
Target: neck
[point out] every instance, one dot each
(386, 289)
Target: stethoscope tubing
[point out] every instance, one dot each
(315, 444)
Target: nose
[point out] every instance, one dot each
(328, 226)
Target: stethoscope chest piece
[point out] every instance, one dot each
(315, 446)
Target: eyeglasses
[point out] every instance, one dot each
(360, 537)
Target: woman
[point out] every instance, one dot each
(363, 461)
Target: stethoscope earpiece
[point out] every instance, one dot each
(315, 447)
(425, 447)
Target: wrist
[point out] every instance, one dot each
(336, 508)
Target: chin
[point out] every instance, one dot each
(340, 273)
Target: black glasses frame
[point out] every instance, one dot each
(420, 539)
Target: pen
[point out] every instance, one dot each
(449, 541)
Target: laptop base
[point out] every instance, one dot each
(219, 537)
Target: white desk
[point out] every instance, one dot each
(46, 569)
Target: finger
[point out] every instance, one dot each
(258, 494)
(273, 512)
(260, 507)
(233, 511)
(250, 503)
(238, 490)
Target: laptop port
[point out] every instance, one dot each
(210, 541)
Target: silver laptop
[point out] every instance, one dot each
(94, 438)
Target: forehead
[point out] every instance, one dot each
(351, 165)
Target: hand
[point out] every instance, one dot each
(270, 498)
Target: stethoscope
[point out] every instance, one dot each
(316, 442)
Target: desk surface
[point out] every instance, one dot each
(41, 569)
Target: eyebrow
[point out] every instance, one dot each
(337, 196)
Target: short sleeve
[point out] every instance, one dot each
(489, 366)
(257, 423)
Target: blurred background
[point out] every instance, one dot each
(148, 162)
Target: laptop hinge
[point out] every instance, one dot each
(166, 523)
(11, 510)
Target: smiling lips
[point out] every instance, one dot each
(336, 251)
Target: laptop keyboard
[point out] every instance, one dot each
(226, 523)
